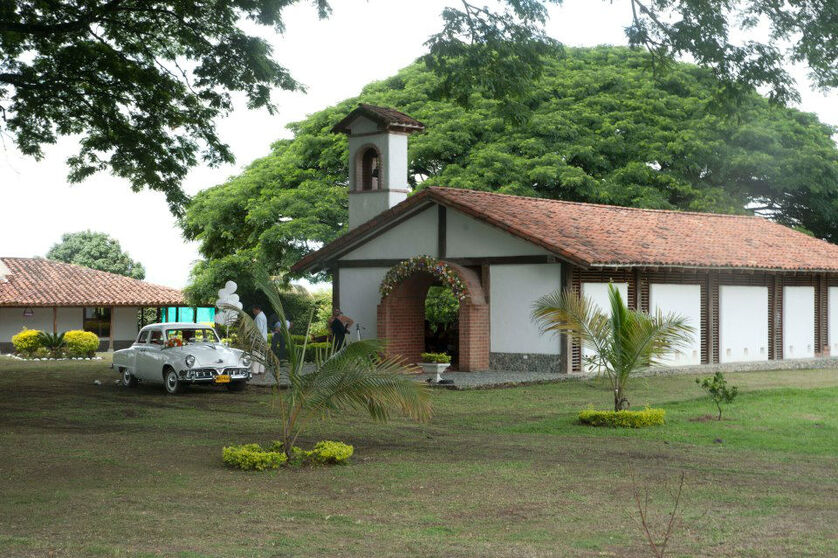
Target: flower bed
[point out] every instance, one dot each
(623, 419)
(253, 457)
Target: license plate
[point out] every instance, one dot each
(222, 379)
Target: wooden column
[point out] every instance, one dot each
(110, 342)
(565, 342)
(55, 320)
(442, 231)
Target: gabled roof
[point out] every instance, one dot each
(592, 235)
(40, 282)
(386, 118)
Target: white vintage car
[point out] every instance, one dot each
(179, 354)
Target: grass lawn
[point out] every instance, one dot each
(98, 470)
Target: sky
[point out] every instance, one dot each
(363, 41)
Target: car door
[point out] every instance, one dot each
(148, 357)
(136, 348)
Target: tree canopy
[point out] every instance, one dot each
(140, 82)
(599, 131)
(97, 251)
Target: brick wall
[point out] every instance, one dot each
(401, 320)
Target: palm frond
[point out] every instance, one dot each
(570, 313)
(357, 376)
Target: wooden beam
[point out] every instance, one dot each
(465, 262)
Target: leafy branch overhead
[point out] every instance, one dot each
(508, 42)
(140, 82)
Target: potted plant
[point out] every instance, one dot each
(435, 363)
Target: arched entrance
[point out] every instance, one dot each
(401, 312)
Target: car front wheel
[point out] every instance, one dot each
(128, 379)
(171, 382)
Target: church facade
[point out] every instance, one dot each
(752, 289)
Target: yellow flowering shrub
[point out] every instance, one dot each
(331, 452)
(623, 419)
(27, 341)
(80, 343)
(252, 457)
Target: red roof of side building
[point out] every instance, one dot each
(592, 235)
(40, 282)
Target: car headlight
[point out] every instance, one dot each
(190, 360)
(246, 360)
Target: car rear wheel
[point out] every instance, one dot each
(171, 382)
(128, 379)
(236, 386)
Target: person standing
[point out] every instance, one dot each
(278, 339)
(262, 326)
(339, 325)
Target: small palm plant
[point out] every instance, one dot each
(356, 376)
(53, 342)
(622, 343)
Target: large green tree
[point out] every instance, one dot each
(599, 131)
(97, 251)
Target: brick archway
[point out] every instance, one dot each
(401, 319)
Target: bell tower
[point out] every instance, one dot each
(377, 159)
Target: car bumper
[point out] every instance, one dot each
(210, 375)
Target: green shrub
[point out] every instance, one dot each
(439, 358)
(41, 352)
(298, 339)
(53, 342)
(331, 452)
(80, 343)
(27, 341)
(623, 419)
(718, 390)
(252, 457)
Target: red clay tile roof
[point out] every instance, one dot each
(40, 282)
(388, 118)
(593, 235)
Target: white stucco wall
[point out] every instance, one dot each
(413, 237)
(598, 294)
(469, 238)
(513, 290)
(12, 321)
(743, 323)
(684, 300)
(125, 323)
(832, 317)
(798, 322)
(359, 297)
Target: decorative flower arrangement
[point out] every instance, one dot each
(174, 342)
(438, 269)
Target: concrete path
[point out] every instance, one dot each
(466, 380)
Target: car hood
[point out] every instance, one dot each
(213, 355)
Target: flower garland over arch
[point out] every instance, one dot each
(435, 267)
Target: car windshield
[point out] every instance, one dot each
(191, 336)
